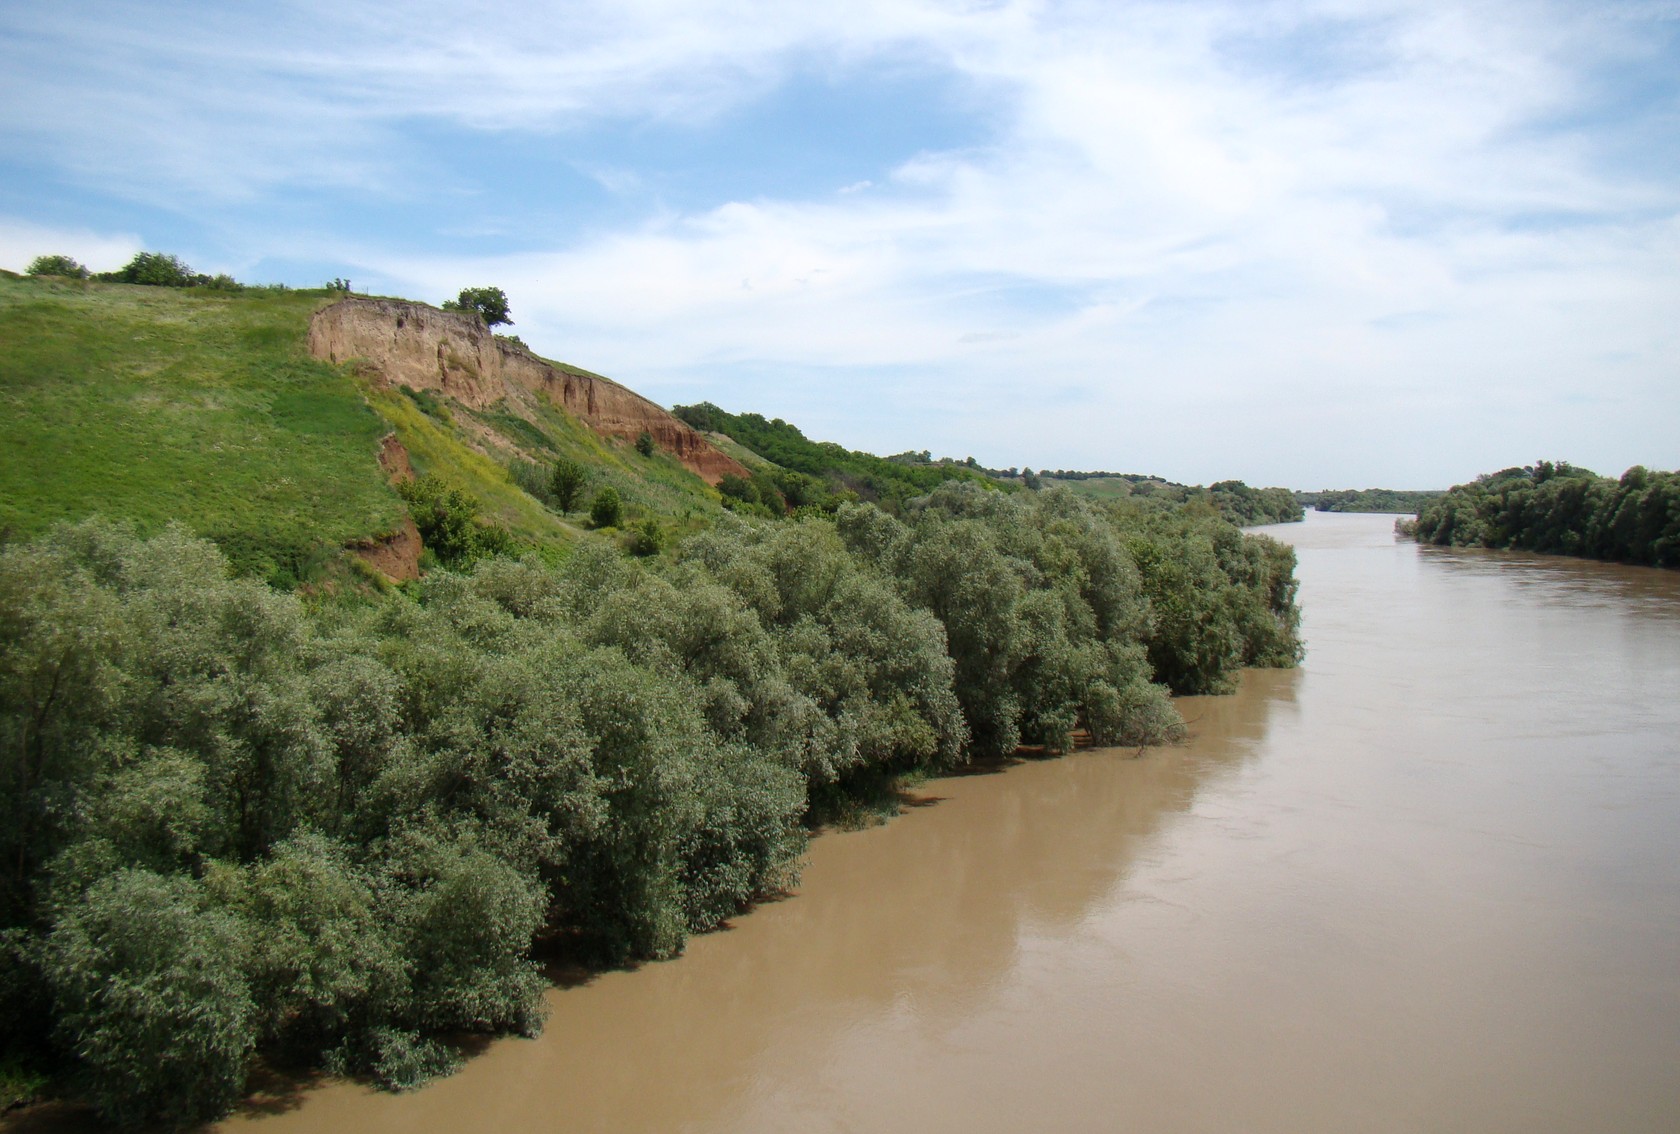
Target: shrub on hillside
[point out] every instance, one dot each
(450, 525)
(647, 539)
(57, 266)
(607, 509)
(567, 483)
(155, 269)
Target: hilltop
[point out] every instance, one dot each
(279, 424)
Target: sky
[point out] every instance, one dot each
(1316, 243)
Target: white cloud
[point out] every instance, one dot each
(21, 241)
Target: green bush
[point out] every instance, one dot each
(606, 510)
(152, 999)
(567, 483)
(490, 304)
(450, 525)
(644, 443)
(57, 266)
(647, 539)
(155, 269)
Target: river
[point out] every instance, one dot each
(1428, 881)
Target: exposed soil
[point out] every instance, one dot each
(399, 343)
(393, 458)
(396, 556)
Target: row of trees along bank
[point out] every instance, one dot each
(235, 825)
(1564, 510)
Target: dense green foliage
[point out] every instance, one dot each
(159, 269)
(1236, 501)
(1247, 507)
(450, 524)
(237, 825)
(821, 473)
(566, 482)
(1367, 500)
(154, 269)
(1564, 510)
(606, 510)
(63, 266)
(488, 303)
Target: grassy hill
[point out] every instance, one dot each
(201, 405)
(153, 404)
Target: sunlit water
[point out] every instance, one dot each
(1427, 882)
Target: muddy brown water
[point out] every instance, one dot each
(1427, 882)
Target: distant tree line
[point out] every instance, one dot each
(236, 823)
(1246, 507)
(1075, 474)
(820, 473)
(1232, 499)
(155, 269)
(1564, 510)
(1367, 500)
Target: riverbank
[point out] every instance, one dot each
(1427, 881)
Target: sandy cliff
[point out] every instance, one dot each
(410, 344)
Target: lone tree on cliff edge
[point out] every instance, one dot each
(488, 303)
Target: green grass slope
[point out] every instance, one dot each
(156, 404)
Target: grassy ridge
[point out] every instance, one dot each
(157, 404)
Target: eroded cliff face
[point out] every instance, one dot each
(410, 344)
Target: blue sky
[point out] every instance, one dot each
(1317, 243)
